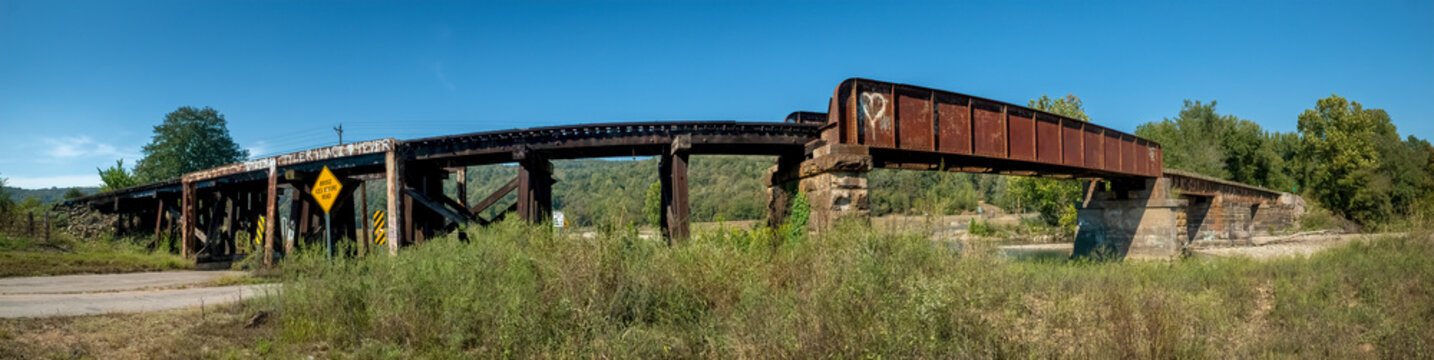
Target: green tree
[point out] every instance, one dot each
(1055, 199)
(116, 177)
(1201, 140)
(74, 193)
(652, 203)
(6, 203)
(188, 140)
(1338, 144)
(1192, 140)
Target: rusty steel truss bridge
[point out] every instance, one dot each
(869, 124)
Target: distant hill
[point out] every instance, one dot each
(721, 187)
(47, 196)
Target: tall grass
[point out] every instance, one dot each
(526, 291)
(25, 255)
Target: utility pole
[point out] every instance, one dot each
(340, 130)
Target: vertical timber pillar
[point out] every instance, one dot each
(292, 224)
(535, 187)
(187, 219)
(673, 177)
(158, 220)
(461, 184)
(834, 182)
(393, 170)
(365, 235)
(271, 212)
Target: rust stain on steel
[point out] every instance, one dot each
(1072, 143)
(989, 129)
(954, 124)
(1112, 150)
(1127, 148)
(1022, 130)
(913, 114)
(1094, 147)
(1048, 132)
(319, 154)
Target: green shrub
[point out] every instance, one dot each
(980, 228)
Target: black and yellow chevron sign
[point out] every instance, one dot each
(380, 233)
(259, 232)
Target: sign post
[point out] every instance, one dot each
(326, 191)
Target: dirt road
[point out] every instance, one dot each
(70, 284)
(98, 294)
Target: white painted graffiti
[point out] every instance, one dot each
(874, 108)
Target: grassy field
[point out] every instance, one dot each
(26, 256)
(520, 291)
(208, 333)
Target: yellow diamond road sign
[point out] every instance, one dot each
(326, 189)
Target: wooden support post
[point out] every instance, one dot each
(47, 225)
(301, 194)
(535, 184)
(211, 231)
(229, 234)
(410, 233)
(393, 170)
(462, 186)
(673, 168)
(290, 238)
(271, 212)
(119, 223)
(158, 220)
(188, 212)
(367, 235)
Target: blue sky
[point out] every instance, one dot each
(83, 83)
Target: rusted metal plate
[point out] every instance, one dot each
(989, 128)
(914, 121)
(1073, 151)
(954, 124)
(928, 120)
(1159, 161)
(1142, 156)
(876, 113)
(1127, 148)
(1094, 144)
(1022, 130)
(1048, 139)
(1112, 150)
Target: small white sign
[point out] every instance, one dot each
(559, 220)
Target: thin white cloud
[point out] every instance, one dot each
(442, 76)
(45, 182)
(73, 147)
(258, 149)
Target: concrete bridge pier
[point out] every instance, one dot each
(1132, 218)
(833, 181)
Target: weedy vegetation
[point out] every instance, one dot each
(62, 254)
(527, 291)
